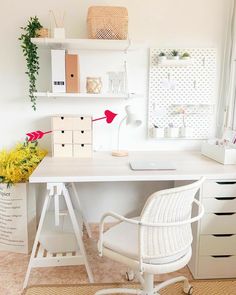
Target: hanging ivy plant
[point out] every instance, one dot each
(30, 52)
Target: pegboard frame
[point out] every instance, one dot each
(194, 85)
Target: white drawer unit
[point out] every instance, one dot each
(82, 150)
(63, 150)
(82, 123)
(222, 205)
(218, 223)
(217, 266)
(62, 123)
(82, 136)
(217, 244)
(214, 249)
(223, 189)
(62, 136)
(72, 136)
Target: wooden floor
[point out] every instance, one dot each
(13, 268)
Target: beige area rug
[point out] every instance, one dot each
(223, 287)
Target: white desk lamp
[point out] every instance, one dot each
(130, 119)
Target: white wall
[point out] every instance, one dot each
(174, 23)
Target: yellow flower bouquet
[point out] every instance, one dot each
(18, 164)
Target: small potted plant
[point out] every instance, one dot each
(174, 54)
(186, 56)
(158, 132)
(171, 131)
(16, 165)
(162, 56)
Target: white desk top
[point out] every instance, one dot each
(103, 167)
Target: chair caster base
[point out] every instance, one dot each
(188, 290)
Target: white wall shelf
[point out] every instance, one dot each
(86, 95)
(89, 44)
(175, 63)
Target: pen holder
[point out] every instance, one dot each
(172, 132)
(158, 132)
(186, 132)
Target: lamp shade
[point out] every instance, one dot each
(131, 117)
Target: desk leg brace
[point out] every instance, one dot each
(81, 211)
(55, 190)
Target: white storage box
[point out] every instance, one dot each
(223, 155)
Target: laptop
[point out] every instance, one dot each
(139, 165)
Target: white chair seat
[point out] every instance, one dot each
(123, 239)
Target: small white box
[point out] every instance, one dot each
(58, 71)
(223, 155)
(82, 136)
(62, 123)
(158, 132)
(82, 150)
(62, 150)
(62, 136)
(172, 132)
(82, 123)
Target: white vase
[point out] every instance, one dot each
(186, 131)
(162, 58)
(59, 33)
(172, 132)
(174, 57)
(158, 132)
(18, 216)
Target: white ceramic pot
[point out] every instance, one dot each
(172, 132)
(174, 57)
(59, 33)
(186, 131)
(158, 132)
(162, 58)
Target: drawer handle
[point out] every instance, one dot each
(221, 256)
(82, 131)
(227, 199)
(222, 235)
(82, 118)
(62, 145)
(225, 183)
(82, 145)
(62, 131)
(222, 214)
(62, 118)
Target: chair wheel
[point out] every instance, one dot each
(189, 291)
(129, 276)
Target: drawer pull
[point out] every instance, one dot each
(225, 183)
(82, 145)
(82, 118)
(225, 214)
(82, 131)
(221, 256)
(222, 235)
(62, 145)
(225, 199)
(62, 131)
(62, 118)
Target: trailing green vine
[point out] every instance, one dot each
(30, 52)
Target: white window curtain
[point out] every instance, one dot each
(226, 115)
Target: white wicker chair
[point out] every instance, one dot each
(157, 242)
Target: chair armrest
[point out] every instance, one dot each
(140, 223)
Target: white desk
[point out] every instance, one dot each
(56, 172)
(103, 168)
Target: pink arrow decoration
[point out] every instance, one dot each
(35, 135)
(109, 116)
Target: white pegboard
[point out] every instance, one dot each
(192, 85)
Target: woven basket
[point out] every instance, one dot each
(107, 22)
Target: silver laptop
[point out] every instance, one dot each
(150, 165)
